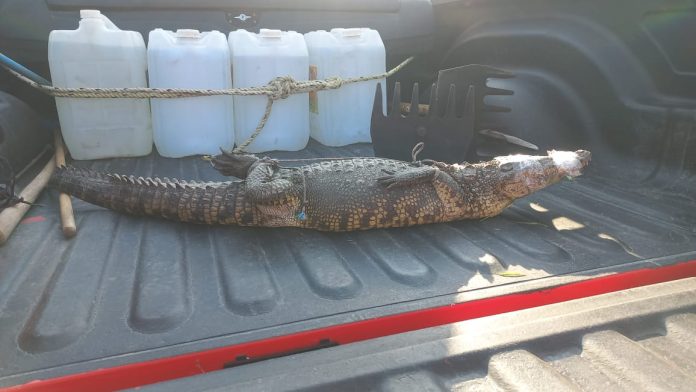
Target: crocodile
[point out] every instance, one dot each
(331, 195)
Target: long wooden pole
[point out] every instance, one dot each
(67, 217)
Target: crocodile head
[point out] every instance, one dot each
(520, 175)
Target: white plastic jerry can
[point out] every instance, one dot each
(194, 60)
(342, 116)
(256, 60)
(99, 54)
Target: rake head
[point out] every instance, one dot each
(446, 137)
(447, 124)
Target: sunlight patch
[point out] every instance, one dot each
(564, 223)
(538, 208)
(494, 265)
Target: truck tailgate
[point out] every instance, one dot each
(638, 339)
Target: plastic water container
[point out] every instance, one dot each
(190, 59)
(256, 60)
(98, 54)
(342, 116)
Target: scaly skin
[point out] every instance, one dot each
(341, 195)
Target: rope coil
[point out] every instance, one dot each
(278, 88)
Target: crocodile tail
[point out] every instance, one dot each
(183, 201)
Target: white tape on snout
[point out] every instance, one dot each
(568, 161)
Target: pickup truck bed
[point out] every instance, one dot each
(615, 78)
(128, 289)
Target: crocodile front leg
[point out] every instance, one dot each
(449, 192)
(262, 187)
(408, 177)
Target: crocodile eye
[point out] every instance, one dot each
(506, 167)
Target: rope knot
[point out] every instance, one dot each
(333, 82)
(281, 87)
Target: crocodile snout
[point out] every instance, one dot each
(584, 156)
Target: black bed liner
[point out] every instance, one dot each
(130, 288)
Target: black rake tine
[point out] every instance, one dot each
(470, 107)
(377, 105)
(451, 102)
(432, 108)
(498, 91)
(414, 112)
(395, 109)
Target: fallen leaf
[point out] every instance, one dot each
(511, 274)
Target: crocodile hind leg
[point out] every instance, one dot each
(265, 183)
(233, 164)
(276, 194)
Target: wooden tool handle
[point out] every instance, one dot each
(67, 217)
(10, 217)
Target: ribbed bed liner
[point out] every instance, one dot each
(129, 288)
